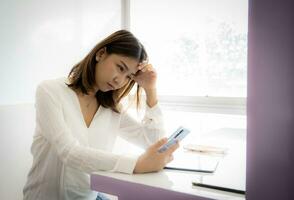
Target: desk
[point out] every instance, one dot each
(176, 185)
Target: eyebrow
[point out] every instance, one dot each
(127, 68)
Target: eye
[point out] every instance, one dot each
(121, 68)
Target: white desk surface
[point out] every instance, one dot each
(230, 170)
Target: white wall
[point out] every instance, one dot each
(16, 129)
(44, 39)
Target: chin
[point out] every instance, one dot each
(105, 90)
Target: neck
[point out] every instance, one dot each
(91, 93)
(87, 98)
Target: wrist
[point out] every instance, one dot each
(151, 97)
(150, 91)
(138, 166)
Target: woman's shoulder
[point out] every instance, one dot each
(53, 86)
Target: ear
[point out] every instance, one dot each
(101, 53)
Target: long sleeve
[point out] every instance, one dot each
(52, 126)
(146, 132)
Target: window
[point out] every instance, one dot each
(199, 47)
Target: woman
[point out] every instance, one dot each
(79, 117)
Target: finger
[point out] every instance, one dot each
(147, 67)
(159, 143)
(142, 64)
(133, 77)
(170, 158)
(172, 148)
(143, 67)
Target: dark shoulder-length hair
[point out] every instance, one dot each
(82, 75)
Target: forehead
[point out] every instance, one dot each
(130, 62)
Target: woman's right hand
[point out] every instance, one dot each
(152, 160)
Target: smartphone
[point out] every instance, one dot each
(179, 134)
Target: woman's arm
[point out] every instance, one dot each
(151, 97)
(151, 128)
(144, 133)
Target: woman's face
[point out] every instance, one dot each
(114, 71)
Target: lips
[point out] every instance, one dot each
(111, 86)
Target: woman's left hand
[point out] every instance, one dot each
(146, 76)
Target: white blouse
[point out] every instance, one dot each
(65, 151)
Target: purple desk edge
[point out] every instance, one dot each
(126, 190)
